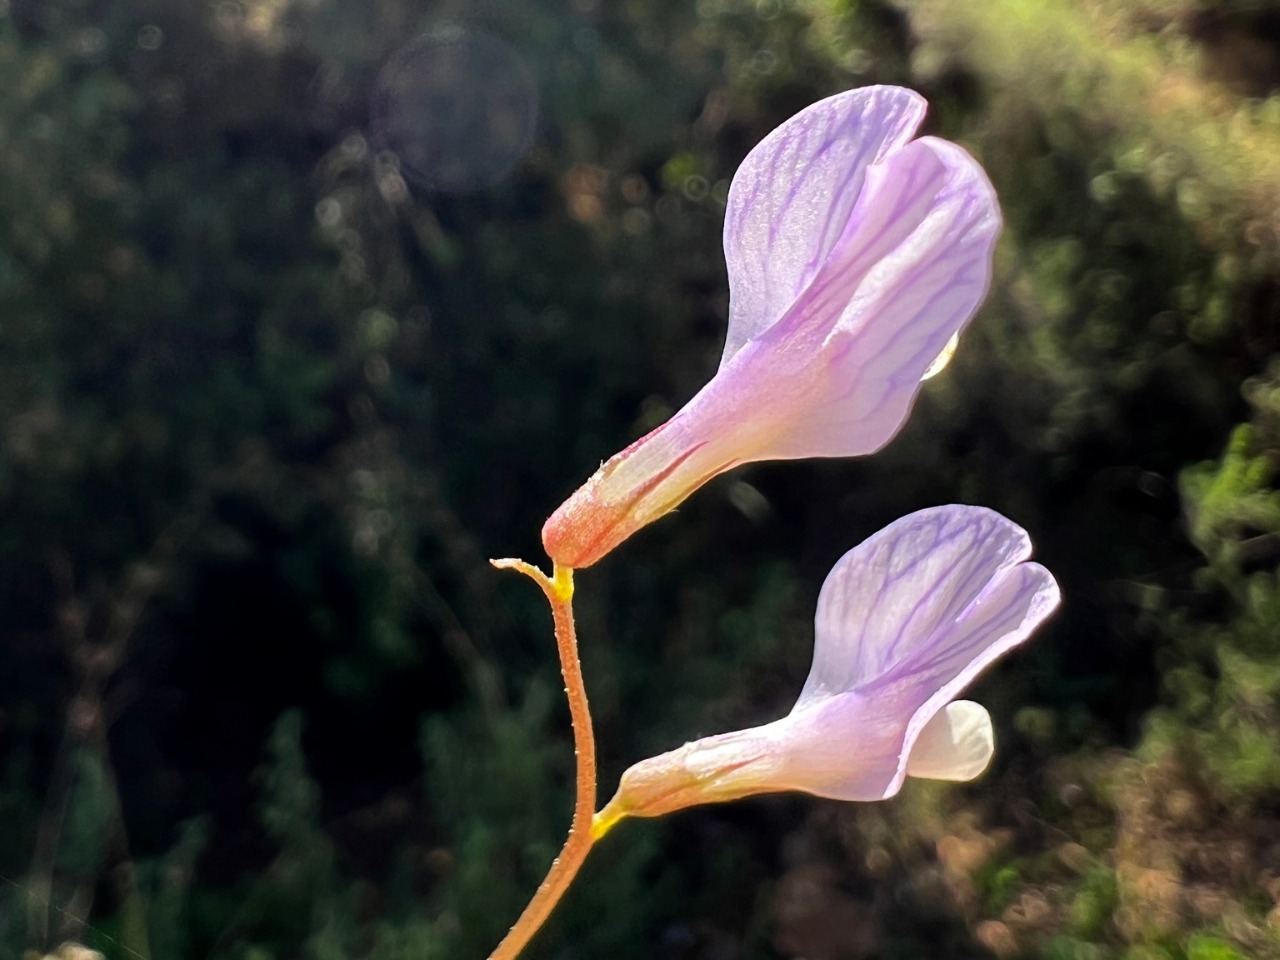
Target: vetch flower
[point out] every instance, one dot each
(855, 257)
(905, 622)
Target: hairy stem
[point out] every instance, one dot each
(559, 592)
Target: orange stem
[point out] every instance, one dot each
(559, 592)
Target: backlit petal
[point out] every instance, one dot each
(1002, 617)
(791, 199)
(909, 277)
(888, 597)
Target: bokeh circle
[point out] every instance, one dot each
(458, 107)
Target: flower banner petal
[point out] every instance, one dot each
(888, 596)
(909, 277)
(791, 199)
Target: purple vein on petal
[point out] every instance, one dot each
(1019, 587)
(911, 370)
(860, 631)
(907, 628)
(845, 274)
(794, 195)
(1000, 622)
(968, 587)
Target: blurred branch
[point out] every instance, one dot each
(93, 664)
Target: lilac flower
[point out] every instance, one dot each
(905, 622)
(855, 255)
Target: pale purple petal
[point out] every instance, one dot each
(791, 199)
(885, 599)
(844, 747)
(874, 727)
(1004, 616)
(910, 273)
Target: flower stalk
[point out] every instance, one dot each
(558, 589)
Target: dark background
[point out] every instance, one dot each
(309, 307)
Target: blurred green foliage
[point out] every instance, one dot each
(269, 404)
